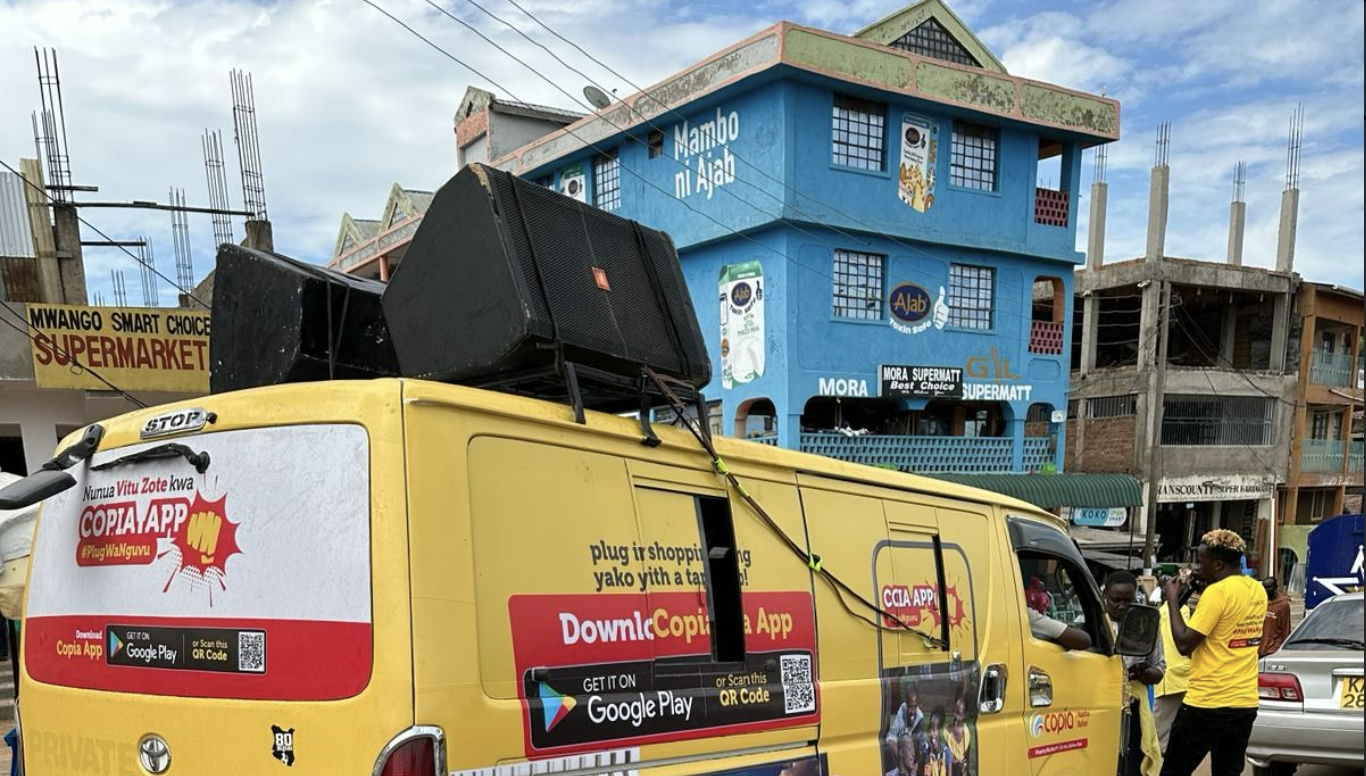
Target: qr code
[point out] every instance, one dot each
(799, 693)
(251, 652)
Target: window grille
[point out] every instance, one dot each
(972, 163)
(607, 181)
(858, 285)
(858, 133)
(971, 291)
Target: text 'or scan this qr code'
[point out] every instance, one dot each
(799, 693)
(251, 651)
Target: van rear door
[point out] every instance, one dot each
(227, 612)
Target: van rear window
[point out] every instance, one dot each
(250, 580)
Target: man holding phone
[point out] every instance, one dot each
(1144, 756)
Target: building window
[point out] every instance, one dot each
(607, 181)
(971, 290)
(858, 285)
(1212, 420)
(858, 133)
(656, 143)
(930, 39)
(972, 163)
(1112, 406)
(1326, 425)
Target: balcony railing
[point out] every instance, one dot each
(1323, 456)
(929, 453)
(1045, 337)
(1334, 369)
(1356, 458)
(1050, 207)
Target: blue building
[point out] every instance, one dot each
(878, 232)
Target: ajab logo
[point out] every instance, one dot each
(1036, 726)
(554, 706)
(909, 302)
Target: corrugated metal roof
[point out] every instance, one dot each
(1051, 491)
(16, 236)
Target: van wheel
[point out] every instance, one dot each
(1275, 769)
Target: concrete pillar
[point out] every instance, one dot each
(1280, 332)
(1237, 222)
(1217, 515)
(1285, 237)
(40, 224)
(1229, 335)
(1149, 315)
(1016, 425)
(790, 431)
(67, 230)
(1158, 192)
(260, 236)
(1095, 232)
(1090, 330)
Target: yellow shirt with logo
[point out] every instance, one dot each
(1177, 675)
(1224, 666)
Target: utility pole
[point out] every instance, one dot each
(1158, 398)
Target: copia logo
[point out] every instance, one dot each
(1036, 726)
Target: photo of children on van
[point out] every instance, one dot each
(928, 724)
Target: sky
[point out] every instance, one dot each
(348, 103)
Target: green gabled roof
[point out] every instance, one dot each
(1051, 491)
(897, 24)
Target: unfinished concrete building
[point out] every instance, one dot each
(1231, 345)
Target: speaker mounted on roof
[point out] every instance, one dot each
(510, 286)
(279, 320)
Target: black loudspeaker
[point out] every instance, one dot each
(506, 282)
(279, 320)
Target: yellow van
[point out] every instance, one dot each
(398, 577)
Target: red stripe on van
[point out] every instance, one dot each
(304, 660)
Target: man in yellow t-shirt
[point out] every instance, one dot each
(1221, 639)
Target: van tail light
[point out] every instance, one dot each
(1279, 687)
(417, 751)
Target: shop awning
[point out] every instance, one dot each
(1051, 491)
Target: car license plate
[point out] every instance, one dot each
(1352, 692)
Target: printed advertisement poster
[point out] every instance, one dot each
(248, 580)
(631, 668)
(742, 323)
(135, 348)
(919, 147)
(573, 184)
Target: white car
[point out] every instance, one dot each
(1312, 693)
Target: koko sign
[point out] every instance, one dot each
(896, 381)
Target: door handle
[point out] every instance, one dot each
(1040, 688)
(993, 695)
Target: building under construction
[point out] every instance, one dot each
(1256, 370)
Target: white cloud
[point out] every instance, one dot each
(348, 103)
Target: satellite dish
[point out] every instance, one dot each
(596, 97)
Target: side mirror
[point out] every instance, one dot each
(34, 488)
(1139, 631)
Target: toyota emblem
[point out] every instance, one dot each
(153, 753)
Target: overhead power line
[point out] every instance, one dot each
(669, 195)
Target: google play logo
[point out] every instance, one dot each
(115, 644)
(554, 705)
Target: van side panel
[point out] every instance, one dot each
(561, 603)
